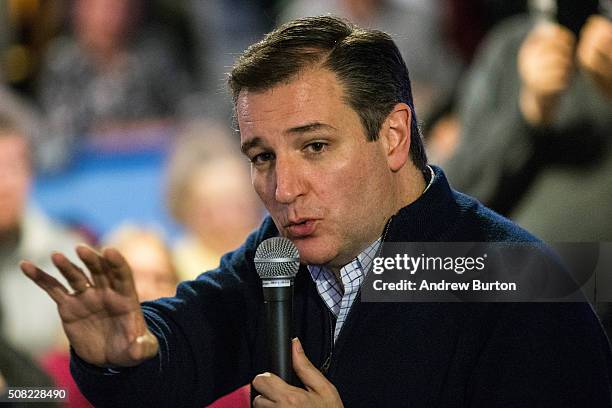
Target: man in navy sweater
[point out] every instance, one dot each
(326, 118)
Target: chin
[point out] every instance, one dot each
(315, 252)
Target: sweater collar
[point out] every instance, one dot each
(429, 216)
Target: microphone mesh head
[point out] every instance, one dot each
(277, 258)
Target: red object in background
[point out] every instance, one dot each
(464, 25)
(56, 363)
(467, 22)
(241, 398)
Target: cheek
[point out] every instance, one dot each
(357, 189)
(265, 191)
(345, 183)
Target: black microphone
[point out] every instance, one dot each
(277, 261)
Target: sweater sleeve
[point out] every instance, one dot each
(205, 333)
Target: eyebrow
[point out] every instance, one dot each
(308, 127)
(249, 144)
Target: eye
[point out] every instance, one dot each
(316, 147)
(262, 158)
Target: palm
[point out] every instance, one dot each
(103, 322)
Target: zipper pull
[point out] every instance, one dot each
(326, 364)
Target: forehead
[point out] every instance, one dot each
(314, 95)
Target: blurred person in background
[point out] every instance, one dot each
(466, 23)
(147, 253)
(31, 122)
(222, 29)
(535, 116)
(110, 79)
(25, 232)
(415, 27)
(209, 193)
(535, 119)
(17, 370)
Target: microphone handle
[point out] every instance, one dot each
(279, 316)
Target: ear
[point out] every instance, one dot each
(395, 136)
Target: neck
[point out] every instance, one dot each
(407, 186)
(411, 184)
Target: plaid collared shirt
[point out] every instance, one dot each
(352, 274)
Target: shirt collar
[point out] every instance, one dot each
(366, 257)
(431, 177)
(362, 263)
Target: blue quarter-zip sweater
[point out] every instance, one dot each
(212, 335)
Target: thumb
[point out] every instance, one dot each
(142, 348)
(312, 378)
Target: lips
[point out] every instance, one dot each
(301, 228)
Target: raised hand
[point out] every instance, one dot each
(102, 316)
(595, 52)
(546, 67)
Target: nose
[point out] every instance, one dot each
(289, 182)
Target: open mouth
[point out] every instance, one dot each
(301, 229)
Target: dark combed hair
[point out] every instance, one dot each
(367, 63)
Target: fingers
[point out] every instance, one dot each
(597, 30)
(555, 31)
(595, 51)
(94, 263)
(262, 402)
(553, 38)
(108, 269)
(546, 69)
(74, 275)
(46, 282)
(311, 377)
(546, 59)
(119, 271)
(595, 46)
(276, 392)
(267, 383)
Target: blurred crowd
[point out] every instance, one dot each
(514, 99)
